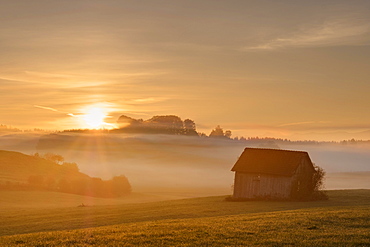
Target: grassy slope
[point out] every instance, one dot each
(344, 219)
(17, 167)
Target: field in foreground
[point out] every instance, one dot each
(344, 220)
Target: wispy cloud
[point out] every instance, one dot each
(46, 108)
(47, 75)
(150, 100)
(54, 110)
(333, 33)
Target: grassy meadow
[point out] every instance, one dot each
(343, 220)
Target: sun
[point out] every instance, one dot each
(94, 117)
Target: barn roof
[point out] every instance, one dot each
(270, 161)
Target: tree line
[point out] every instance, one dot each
(168, 124)
(88, 186)
(65, 177)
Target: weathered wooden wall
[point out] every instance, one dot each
(264, 185)
(248, 185)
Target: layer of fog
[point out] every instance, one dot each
(179, 164)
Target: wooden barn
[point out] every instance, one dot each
(273, 174)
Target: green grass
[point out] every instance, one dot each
(331, 227)
(344, 220)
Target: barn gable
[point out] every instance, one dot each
(272, 173)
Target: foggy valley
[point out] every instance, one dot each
(182, 165)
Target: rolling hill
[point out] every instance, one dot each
(17, 167)
(29, 172)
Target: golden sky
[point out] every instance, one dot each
(291, 69)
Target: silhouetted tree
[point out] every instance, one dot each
(189, 127)
(228, 134)
(56, 158)
(125, 121)
(218, 132)
(169, 124)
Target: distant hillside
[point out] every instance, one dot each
(33, 172)
(18, 167)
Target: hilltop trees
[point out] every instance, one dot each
(218, 132)
(161, 124)
(170, 124)
(125, 121)
(167, 124)
(189, 127)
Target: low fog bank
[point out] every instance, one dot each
(21, 142)
(348, 180)
(184, 165)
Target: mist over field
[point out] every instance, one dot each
(179, 164)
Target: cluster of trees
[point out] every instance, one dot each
(68, 179)
(354, 141)
(115, 187)
(4, 128)
(59, 159)
(218, 132)
(169, 124)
